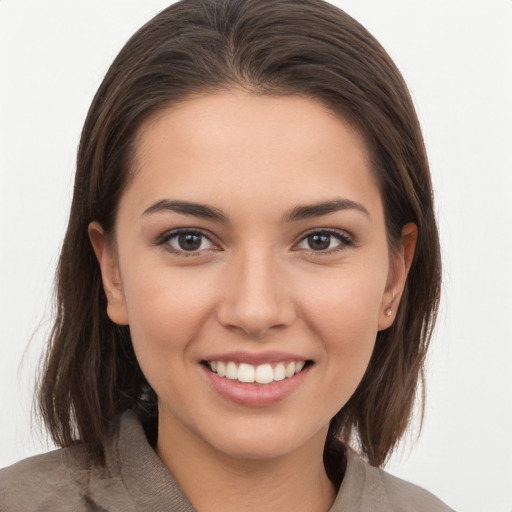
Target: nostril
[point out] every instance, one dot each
(255, 308)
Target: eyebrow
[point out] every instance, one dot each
(324, 208)
(187, 208)
(298, 213)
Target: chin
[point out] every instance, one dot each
(261, 441)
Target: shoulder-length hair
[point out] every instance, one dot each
(265, 47)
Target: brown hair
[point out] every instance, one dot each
(275, 47)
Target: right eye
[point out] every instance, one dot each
(186, 242)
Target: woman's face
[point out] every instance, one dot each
(251, 241)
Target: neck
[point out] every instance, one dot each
(214, 481)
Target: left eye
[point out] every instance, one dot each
(188, 241)
(321, 241)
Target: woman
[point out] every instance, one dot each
(250, 275)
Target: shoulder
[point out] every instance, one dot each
(368, 488)
(409, 497)
(132, 479)
(38, 482)
(58, 480)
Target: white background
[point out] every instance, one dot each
(457, 58)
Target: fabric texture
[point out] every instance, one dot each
(137, 480)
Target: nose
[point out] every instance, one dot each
(256, 297)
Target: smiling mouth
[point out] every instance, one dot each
(260, 374)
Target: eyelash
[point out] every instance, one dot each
(344, 239)
(165, 238)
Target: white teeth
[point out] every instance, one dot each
(246, 373)
(264, 374)
(221, 369)
(231, 371)
(261, 374)
(290, 369)
(279, 372)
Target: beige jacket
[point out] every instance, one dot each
(63, 480)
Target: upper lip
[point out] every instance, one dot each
(255, 358)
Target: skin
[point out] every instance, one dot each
(254, 285)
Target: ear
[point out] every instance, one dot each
(112, 285)
(399, 265)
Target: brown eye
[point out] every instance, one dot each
(186, 242)
(319, 242)
(325, 241)
(190, 241)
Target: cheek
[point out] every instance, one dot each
(343, 313)
(166, 307)
(344, 305)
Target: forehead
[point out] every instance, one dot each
(279, 148)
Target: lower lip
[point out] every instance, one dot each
(254, 395)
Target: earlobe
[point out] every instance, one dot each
(400, 264)
(110, 275)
